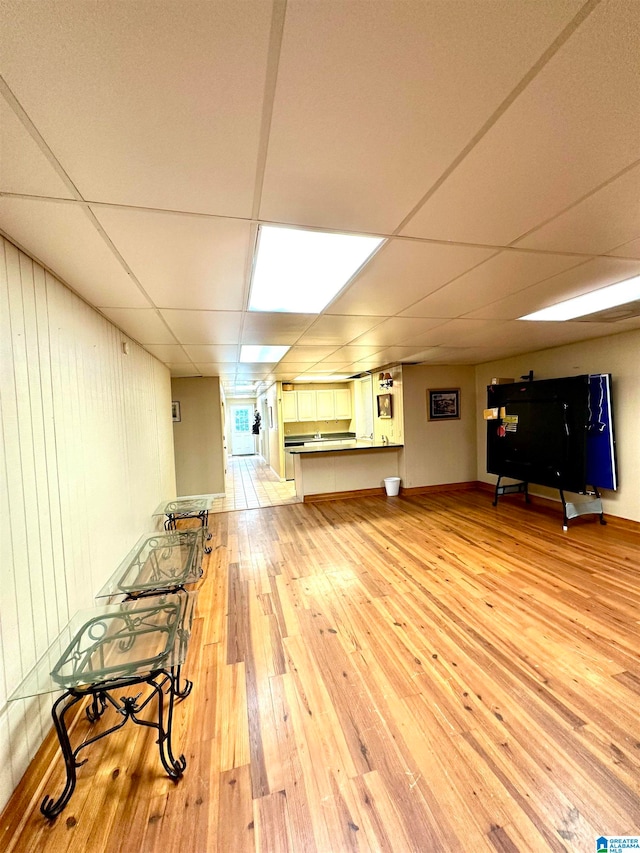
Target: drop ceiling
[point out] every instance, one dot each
(496, 147)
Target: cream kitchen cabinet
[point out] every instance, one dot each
(289, 406)
(342, 403)
(306, 405)
(325, 405)
(321, 405)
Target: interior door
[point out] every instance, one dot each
(241, 436)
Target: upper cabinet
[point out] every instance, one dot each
(343, 409)
(289, 406)
(325, 405)
(322, 405)
(306, 405)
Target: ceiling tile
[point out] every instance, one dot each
(589, 276)
(571, 129)
(398, 330)
(204, 327)
(182, 261)
(627, 250)
(363, 122)
(177, 126)
(62, 237)
(213, 353)
(502, 275)
(274, 328)
(307, 355)
(142, 324)
(216, 369)
(169, 353)
(456, 333)
(25, 169)
(182, 370)
(286, 370)
(601, 222)
(336, 329)
(393, 354)
(367, 364)
(401, 273)
(351, 353)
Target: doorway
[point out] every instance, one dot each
(242, 443)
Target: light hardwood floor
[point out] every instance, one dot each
(419, 674)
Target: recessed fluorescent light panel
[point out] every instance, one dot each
(270, 355)
(301, 271)
(589, 303)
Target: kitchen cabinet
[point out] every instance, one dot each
(322, 405)
(342, 397)
(306, 405)
(325, 405)
(289, 406)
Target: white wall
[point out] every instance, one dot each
(438, 452)
(87, 454)
(618, 355)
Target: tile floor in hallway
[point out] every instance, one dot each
(250, 483)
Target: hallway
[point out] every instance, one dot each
(250, 483)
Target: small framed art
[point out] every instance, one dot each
(443, 404)
(384, 406)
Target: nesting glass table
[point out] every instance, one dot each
(165, 561)
(109, 648)
(179, 508)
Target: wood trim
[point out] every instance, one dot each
(339, 496)
(365, 493)
(440, 487)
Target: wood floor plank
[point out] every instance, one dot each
(427, 673)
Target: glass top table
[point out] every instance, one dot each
(110, 648)
(163, 561)
(113, 642)
(196, 506)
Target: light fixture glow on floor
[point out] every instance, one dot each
(301, 271)
(589, 303)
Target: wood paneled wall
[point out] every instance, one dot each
(87, 454)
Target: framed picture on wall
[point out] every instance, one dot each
(443, 404)
(384, 406)
(175, 411)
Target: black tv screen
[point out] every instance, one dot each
(542, 433)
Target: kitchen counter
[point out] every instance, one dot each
(329, 446)
(337, 468)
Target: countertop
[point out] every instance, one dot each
(293, 440)
(330, 447)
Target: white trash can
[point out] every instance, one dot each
(392, 485)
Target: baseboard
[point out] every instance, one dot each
(367, 493)
(442, 487)
(339, 496)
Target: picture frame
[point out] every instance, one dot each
(385, 406)
(175, 411)
(443, 404)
